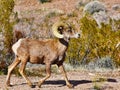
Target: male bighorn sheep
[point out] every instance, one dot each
(48, 52)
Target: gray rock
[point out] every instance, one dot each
(101, 17)
(116, 7)
(94, 6)
(114, 18)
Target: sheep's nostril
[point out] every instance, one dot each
(78, 35)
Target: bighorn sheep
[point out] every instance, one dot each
(48, 52)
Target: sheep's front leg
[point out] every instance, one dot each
(21, 70)
(10, 69)
(48, 72)
(61, 67)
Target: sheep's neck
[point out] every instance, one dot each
(64, 42)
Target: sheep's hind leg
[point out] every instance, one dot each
(65, 76)
(21, 70)
(10, 69)
(48, 72)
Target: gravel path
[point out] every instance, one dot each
(80, 80)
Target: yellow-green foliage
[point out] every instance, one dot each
(95, 43)
(6, 7)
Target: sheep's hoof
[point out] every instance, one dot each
(8, 85)
(39, 84)
(32, 86)
(70, 86)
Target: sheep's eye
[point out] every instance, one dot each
(60, 29)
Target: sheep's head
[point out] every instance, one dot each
(64, 30)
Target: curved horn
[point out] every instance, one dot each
(55, 28)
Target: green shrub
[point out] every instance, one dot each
(94, 44)
(6, 7)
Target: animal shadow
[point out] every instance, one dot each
(62, 82)
(74, 82)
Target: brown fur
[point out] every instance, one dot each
(41, 51)
(17, 35)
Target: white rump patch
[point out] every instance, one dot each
(16, 46)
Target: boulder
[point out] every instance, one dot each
(116, 7)
(94, 6)
(101, 17)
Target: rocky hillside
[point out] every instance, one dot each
(66, 5)
(38, 17)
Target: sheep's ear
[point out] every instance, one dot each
(58, 28)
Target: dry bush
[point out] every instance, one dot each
(94, 44)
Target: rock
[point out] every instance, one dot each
(115, 18)
(116, 7)
(94, 6)
(101, 17)
(81, 3)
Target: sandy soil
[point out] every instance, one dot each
(81, 81)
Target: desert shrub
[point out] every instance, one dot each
(103, 63)
(82, 3)
(6, 7)
(115, 24)
(34, 72)
(94, 44)
(3, 68)
(54, 12)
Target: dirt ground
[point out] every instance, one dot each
(80, 79)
